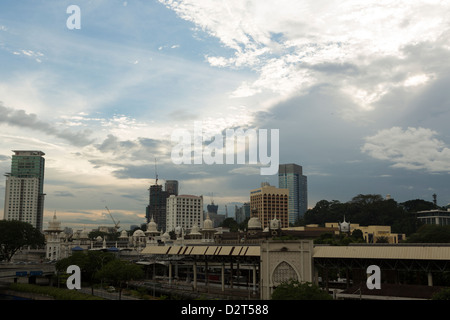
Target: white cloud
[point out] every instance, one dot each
(281, 40)
(416, 80)
(412, 148)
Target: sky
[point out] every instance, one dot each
(358, 91)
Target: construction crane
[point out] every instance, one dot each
(116, 225)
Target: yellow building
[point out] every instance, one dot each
(270, 203)
(372, 234)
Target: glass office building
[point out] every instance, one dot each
(290, 176)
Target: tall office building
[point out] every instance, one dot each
(242, 213)
(158, 201)
(172, 187)
(270, 202)
(24, 193)
(156, 208)
(290, 176)
(184, 211)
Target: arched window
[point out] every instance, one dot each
(284, 272)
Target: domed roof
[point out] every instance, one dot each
(139, 233)
(84, 234)
(208, 224)
(344, 226)
(152, 226)
(195, 230)
(123, 234)
(275, 224)
(166, 235)
(254, 223)
(54, 224)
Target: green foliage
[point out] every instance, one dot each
(231, 224)
(294, 290)
(431, 234)
(56, 293)
(16, 234)
(418, 205)
(444, 294)
(90, 263)
(340, 240)
(119, 271)
(367, 210)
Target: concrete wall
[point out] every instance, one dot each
(285, 260)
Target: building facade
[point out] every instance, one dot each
(270, 203)
(184, 212)
(172, 187)
(437, 217)
(290, 176)
(156, 208)
(24, 192)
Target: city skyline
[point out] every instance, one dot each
(358, 92)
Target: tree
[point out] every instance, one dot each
(15, 235)
(231, 224)
(358, 235)
(294, 290)
(443, 294)
(119, 272)
(90, 264)
(417, 205)
(370, 209)
(430, 233)
(244, 224)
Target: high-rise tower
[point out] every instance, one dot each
(268, 203)
(290, 176)
(24, 192)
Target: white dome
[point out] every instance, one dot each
(54, 224)
(254, 223)
(152, 226)
(275, 224)
(208, 224)
(344, 226)
(139, 233)
(84, 234)
(166, 235)
(195, 230)
(123, 234)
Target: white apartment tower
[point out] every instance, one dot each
(24, 192)
(184, 211)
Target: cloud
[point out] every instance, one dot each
(20, 118)
(412, 149)
(63, 194)
(292, 46)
